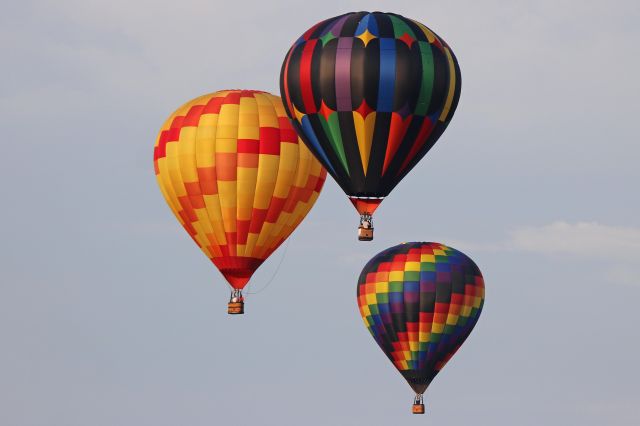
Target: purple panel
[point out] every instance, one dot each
(443, 277)
(397, 308)
(343, 73)
(411, 297)
(337, 26)
(427, 287)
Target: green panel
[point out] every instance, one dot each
(395, 287)
(400, 27)
(335, 145)
(412, 276)
(336, 139)
(428, 72)
(427, 266)
(382, 297)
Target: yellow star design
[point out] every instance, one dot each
(366, 37)
(298, 114)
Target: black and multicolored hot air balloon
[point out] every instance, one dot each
(232, 169)
(370, 94)
(420, 302)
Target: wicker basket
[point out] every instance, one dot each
(365, 234)
(418, 409)
(235, 308)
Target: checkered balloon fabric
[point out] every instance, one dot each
(232, 169)
(420, 302)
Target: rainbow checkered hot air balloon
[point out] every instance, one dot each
(370, 94)
(232, 169)
(420, 302)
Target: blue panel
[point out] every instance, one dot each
(311, 137)
(362, 26)
(378, 321)
(373, 26)
(443, 267)
(427, 276)
(396, 298)
(387, 74)
(411, 287)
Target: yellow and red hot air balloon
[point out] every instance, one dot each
(234, 173)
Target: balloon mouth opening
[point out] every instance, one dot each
(237, 270)
(366, 205)
(419, 387)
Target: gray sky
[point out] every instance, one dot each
(110, 315)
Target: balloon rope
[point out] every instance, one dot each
(284, 253)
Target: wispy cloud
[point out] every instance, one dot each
(582, 239)
(617, 247)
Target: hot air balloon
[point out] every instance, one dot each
(370, 94)
(420, 302)
(231, 168)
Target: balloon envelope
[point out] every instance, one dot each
(420, 301)
(370, 94)
(232, 169)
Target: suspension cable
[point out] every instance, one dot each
(284, 253)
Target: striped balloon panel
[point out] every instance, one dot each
(370, 94)
(420, 301)
(231, 168)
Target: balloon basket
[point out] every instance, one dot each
(235, 308)
(365, 234)
(417, 409)
(365, 230)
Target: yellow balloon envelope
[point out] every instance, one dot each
(232, 169)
